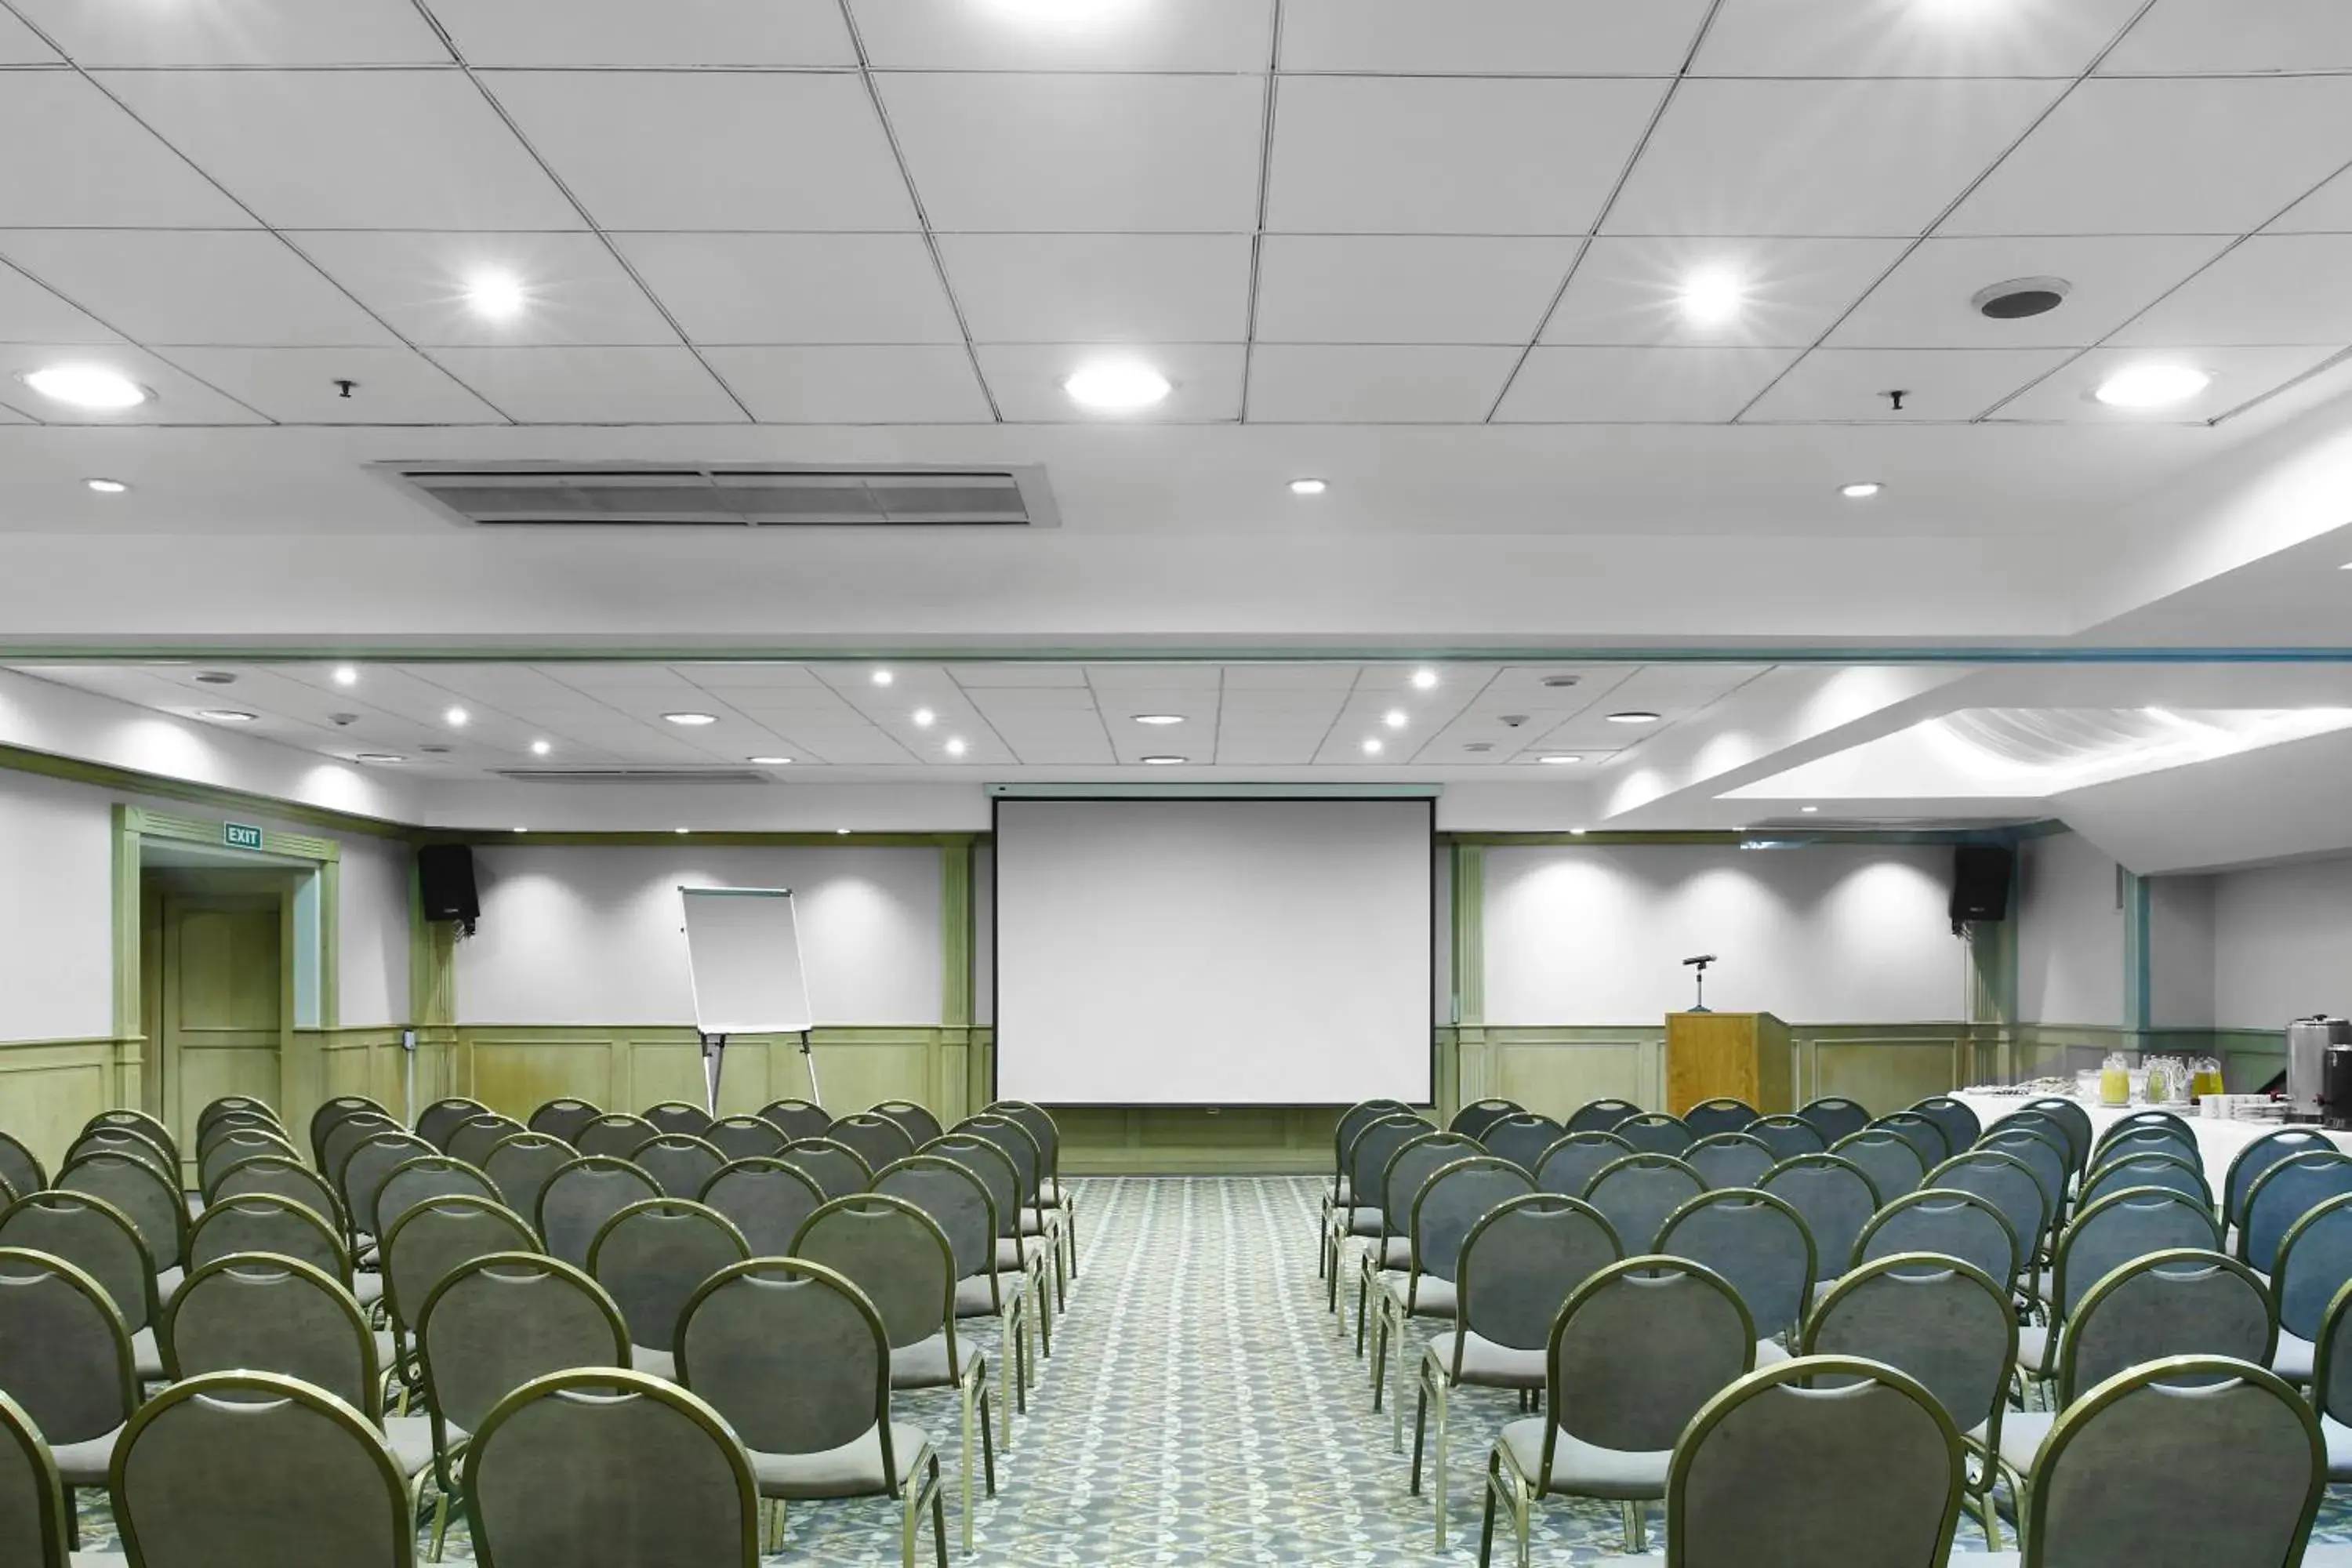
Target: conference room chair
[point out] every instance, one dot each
(765, 1199)
(2009, 1183)
(1028, 1157)
(18, 1168)
(33, 1532)
(2040, 1146)
(1413, 1162)
(2179, 1302)
(1341, 1195)
(1761, 1246)
(265, 1221)
(473, 1139)
(137, 1121)
(1924, 1133)
(1655, 1133)
(614, 1133)
(679, 1116)
(1521, 1138)
(795, 1358)
(364, 1171)
(2331, 1384)
(999, 1289)
(64, 1358)
(2102, 1238)
(8, 1194)
(2256, 1158)
(134, 1140)
(98, 1238)
(1835, 1197)
(326, 1149)
(1051, 1194)
(421, 1249)
(229, 1147)
(259, 1470)
(1788, 1135)
(150, 1200)
(1636, 1193)
(228, 1121)
(837, 1169)
(520, 1165)
(1600, 1115)
(260, 1312)
(562, 1118)
(1568, 1166)
(2142, 1165)
(438, 1120)
(651, 1258)
(1890, 1160)
(2282, 1195)
(2108, 1484)
(1946, 1221)
(901, 1258)
(1721, 1114)
(2072, 1120)
(1769, 1467)
(1946, 1324)
(227, 1107)
(580, 1197)
(2170, 1136)
(1833, 1117)
(876, 1138)
(1472, 1120)
(1015, 1260)
(921, 1126)
(1634, 1352)
(493, 1324)
(958, 1202)
(2314, 1263)
(282, 1176)
(412, 1182)
(1443, 1208)
(1730, 1158)
(745, 1137)
(797, 1119)
(1520, 1260)
(1356, 1216)
(680, 1163)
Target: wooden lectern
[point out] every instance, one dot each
(1743, 1055)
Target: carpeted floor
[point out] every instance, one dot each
(1200, 1408)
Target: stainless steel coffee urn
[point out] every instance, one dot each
(2307, 1041)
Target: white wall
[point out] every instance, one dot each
(2180, 967)
(2282, 943)
(373, 945)
(588, 935)
(2070, 934)
(57, 910)
(1577, 935)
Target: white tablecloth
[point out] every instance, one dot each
(2219, 1141)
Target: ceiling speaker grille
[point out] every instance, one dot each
(543, 495)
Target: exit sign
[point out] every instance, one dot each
(237, 835)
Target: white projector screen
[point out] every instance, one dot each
(1213, 952)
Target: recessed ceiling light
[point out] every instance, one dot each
(106, 487)
(2157, 384)
(1161, 762)
(226, 715)
(1309, 487)
(955, 745)
(1555, 759)
(769, 761)
(1809, 810)
(925, 717)
(1394, 719)
(347, 675)
(1712, 296)
(692, 721)
(1422, 680)
(1117, 386)
(92, 386)
(540, 748)
(215, 678)
(495, 295)
(1372, 746)
(1633, 718)
(1861, 489)
(883, 678)
(455, 718)
(1159, 718)
(379, 758)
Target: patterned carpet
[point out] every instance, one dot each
(1200, 1408)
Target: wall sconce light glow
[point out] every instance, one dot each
(90, 386)
(843, 831)
(1423, 679)
(681, 830)
(106, 487)
(540, 748)
(691, 721)
(955, 746)
(1117, 386)
(226, 715)
(770, 761)
(1712, 296)
(1861, 489)
(347, 675)
(495, 296)
(2152, 385)
(1576, 832)
(1633, 718)
(883, 678)
(522, 830)
(1160, 720)
(1309, 487)
(925, 717)
(455, 718)
(1372, 747)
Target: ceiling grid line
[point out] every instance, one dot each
(1264, 187)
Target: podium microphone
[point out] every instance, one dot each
(1699, 964)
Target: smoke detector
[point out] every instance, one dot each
(2020, 298)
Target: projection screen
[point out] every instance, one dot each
(1213, 952)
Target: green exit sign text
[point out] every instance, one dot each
(237, 835)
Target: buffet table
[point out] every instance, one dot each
(2218, 1141)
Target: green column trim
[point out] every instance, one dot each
(2138, 972)
(1469, 913)
(955, 934)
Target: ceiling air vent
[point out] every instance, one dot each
(638, 495)
(635, 775)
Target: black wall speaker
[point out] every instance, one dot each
(444, 880)
(1980, 879)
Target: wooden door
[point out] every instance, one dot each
(222, 1004)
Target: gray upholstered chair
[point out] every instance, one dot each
(679, 1163)
(609, 1469)
(2103, 1238)
(1051, 1193)
(765, 1198)
(254, 1469)
(232, 1145)
(264, 1222)
(1028, 1157)
(2007, 1182)
(745, 1137)
(1636, 1351)
(1521, 1138)
(955, 1200)
(614, 1134)
(138, 1141)
(2041, 1145)
(413, 1182)
(1357, 1213)
(1600, 1115)
(1722, 1114)
(2313, 1264)
(345, 1134)
(2282, 1195)
(1413, 1164)
(1444, 1208)
(439, 1120)
(1768, 1471)
(282, 1176)
(2170, 1136)
(1923, 1133)
(1760, 1244)
(1569, 1165)
(1890, 1160)
(581, 1197)
(1834, 1117)
(1638, 1192)
(1521, 1260)
(1472, 1120)
(153, 1201)
(367, 1168)
(1013, 1290)
(797, 1119)
(2331, 1383)
(100, 1240)
(1836, 1198)
(922, 1126)
(229, 1108)
(2143, 1166)
(18, 1168)
(1787, 1135)
(838, 1170)
(650, 1258)
(1960, 1124)
(1938, 1319)
(520, 1165)
(2132, 1122)
(473, 1139)
(1946, 1221)
(679, 1116)
(797, 1358)
(333, 1113)
(2189, 1462)
(425, 1245)
(1655, 1133)
(2074, 1122)
(64, 1358)
(492, 1325)
(1730, 1158)
(33, 1526)
(562, 1118)
(1341, 1195)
